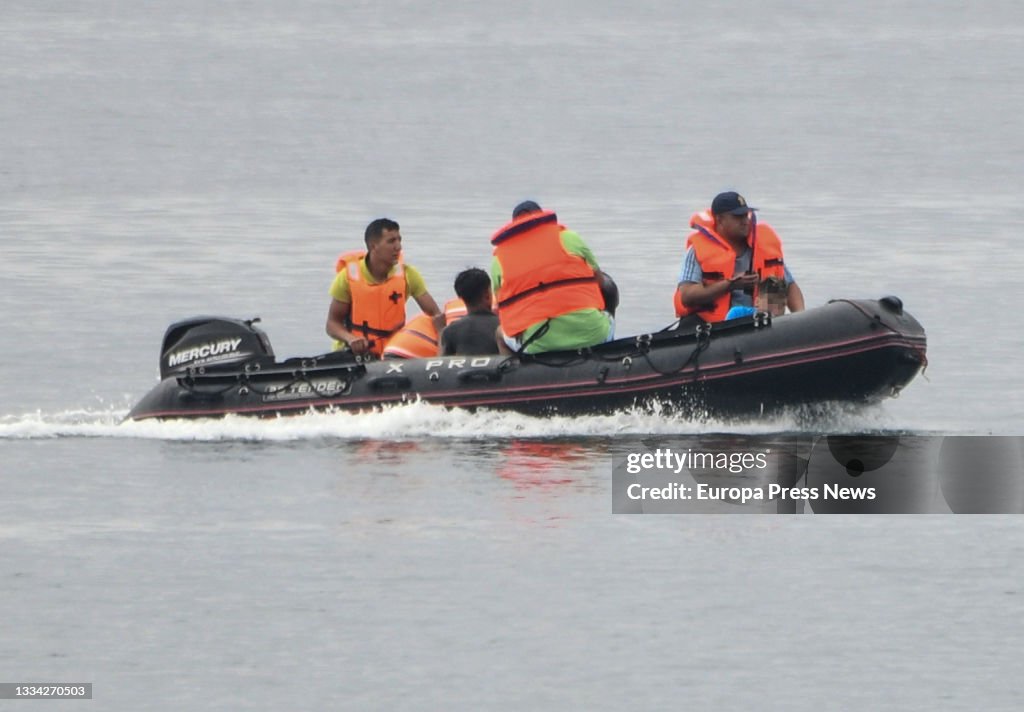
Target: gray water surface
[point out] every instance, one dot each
(170, 159)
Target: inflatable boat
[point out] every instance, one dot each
(848, 351)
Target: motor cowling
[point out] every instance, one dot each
(212, 343)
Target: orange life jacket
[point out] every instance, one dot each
(539, 278)
(454, 309)
(377, 310)
(718, 261)
(418, 338)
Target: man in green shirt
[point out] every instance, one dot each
(579, 328)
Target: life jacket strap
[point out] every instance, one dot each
(544, 286)
(368, 330)
(525, 226)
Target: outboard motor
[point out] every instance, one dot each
(210, 343)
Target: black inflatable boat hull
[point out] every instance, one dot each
(854, 351)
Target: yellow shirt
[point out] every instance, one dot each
(414, 284)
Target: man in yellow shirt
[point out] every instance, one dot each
(368, 294)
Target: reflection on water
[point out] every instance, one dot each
(539, 464)
(162, 160)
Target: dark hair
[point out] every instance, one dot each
(472, 285)
(375, 229)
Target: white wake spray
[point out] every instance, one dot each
(417, 421)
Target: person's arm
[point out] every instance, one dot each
(444, 345)
(794, 298)
(575, 245)
(695, 294)
(495, 280)
(499, 339)
(418, 290)
(338, 313)
(430, 308)
(337, 316)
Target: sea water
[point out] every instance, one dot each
(171, 159)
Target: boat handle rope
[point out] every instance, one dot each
(189, 384)
(244, 386)
(924, 360)
(541, 330)
(643, 344)
(703, 342)
(298, 377)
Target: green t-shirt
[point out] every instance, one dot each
(574, 330)
(415, 286)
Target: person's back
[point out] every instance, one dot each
(546, 281)
(473, 334)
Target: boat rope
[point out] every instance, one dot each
(579, 356)
(565, 359)
(541, 330)
(920, 353)
(300, 377)
(703, 342)
(244, 384)
(189, 384)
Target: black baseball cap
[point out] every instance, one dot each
(527, 206)
(730, 202)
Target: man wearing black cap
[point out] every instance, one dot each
(547, 284)
(734, 261)
(524, 208)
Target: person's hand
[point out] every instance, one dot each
(746, 281)
(359, 346)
